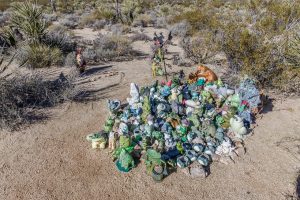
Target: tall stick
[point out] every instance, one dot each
(165, 66)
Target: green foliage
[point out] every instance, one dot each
(27, 17)
(7, 37)
(248, 52)
(39, 55)
(292, 54)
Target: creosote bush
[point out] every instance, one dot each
(112, 46)
(109, 48)
(199, 49)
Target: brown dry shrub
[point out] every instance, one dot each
(23, 95)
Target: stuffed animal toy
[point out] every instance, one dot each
(207, 73)
(237, 126)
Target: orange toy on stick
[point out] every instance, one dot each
(207, 73)
(204, 72)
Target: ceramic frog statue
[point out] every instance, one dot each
(206, 97)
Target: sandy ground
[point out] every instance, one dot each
(52, 160)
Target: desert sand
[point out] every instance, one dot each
(53, 160)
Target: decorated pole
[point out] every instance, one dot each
(163, 58)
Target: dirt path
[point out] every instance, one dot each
(52, 160)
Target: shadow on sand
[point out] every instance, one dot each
(94, 70)
(298, 186)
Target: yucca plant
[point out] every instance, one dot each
(27, 17)
(7, 37)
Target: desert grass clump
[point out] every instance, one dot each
(39, 56)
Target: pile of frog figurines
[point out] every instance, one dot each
(179, 124)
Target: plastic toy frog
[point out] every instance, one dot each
(206, 97)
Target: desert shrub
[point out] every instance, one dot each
(70, 60)
(99, 24)
(70, 21)
(65, 6)
(90, 55)
(57, 27)
(39, 56)
(241, 46)
(49, 18)
(180, 29)
(275, 16)
(104, 12)
(27, 17)
(292, 51)
(130, 10)
(113, 47)
(59, 38)
(87, 21)
(22, 95)
(119, 29)
(144, 20)
(252, 53)
(140, 37)
(100, 13)
(161, 22)
(199, 49)
(288, 80)
(165, 9)
(199, 19)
